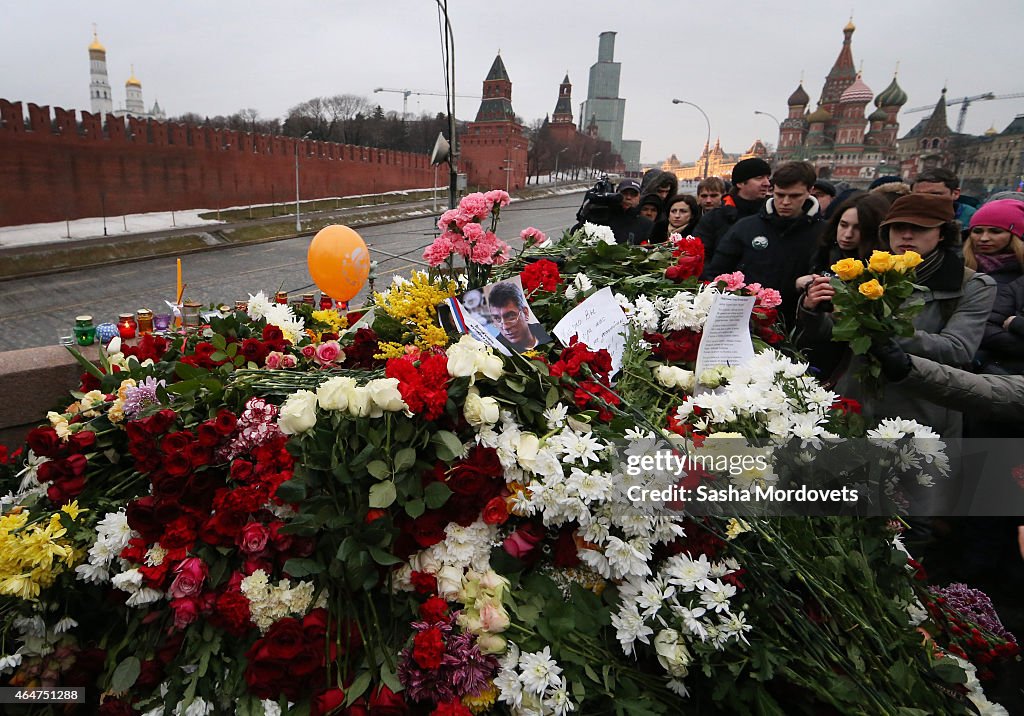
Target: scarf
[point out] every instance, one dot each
(994, 263)
(929, 266)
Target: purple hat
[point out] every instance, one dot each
(1005, 214)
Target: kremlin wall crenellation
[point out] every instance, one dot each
(59, 167)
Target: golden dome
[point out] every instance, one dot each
(991, 131)
(96, 44)
(850, 27)
(133, 81)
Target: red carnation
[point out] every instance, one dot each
(434, 610)
(428, 648)
(424, 583)
(541, 274)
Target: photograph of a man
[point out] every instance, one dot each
(511, 315)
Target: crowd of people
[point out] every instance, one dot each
(785, 229)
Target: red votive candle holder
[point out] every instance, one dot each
(126, 325)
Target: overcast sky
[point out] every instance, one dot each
(218, 57)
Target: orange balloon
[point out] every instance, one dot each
(339, 262)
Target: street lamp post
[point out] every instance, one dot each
(708, 121)
(768, 114)
(558, 155)
(298, 220)
(594, 156)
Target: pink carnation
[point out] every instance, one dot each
(454, 219)
(439, 251)
(473, 232)
(532, 236)
(489, 250)
(497, 196)
(754, 288)
(475, 205)
(768, 298)
(733, 281)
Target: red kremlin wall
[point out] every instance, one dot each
(55, 168)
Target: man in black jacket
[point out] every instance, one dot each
(751, 184)
(774, 247)
(625, 220)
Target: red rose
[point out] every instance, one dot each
(43, 441)
(253, 538)
(496, 511)
(327, 702)
(241, 470)
(434, 610)
(186, 611)
(385, 702)
(522, 542)
(191, 573)
(207, 434)
(159, 422)
(565, 554)
(225, 422)
(428, 529)
(451, 708)
(428, 648)
(82, 441)
(372, 515)
(423, 582)
(272, 334)
(177, 463)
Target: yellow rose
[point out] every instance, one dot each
(907, 261)
(881, 261)
(872, 289)
(848, 269)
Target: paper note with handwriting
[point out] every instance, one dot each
(599, 322)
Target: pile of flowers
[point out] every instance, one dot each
(288, 509)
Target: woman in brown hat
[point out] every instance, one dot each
(948, 329)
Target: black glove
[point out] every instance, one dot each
(894, 360)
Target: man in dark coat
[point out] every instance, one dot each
(751, 184)
(625, 221)
(774, 247)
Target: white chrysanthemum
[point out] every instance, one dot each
(645, 314)
(593, 234)
(716, 599)
(582, 283)
(65, 624)
(128, 581)
(630, 627)
(687, 573)
(144, 596)
(91, 573)
(539, 672)
(555, 416)
(258, 305)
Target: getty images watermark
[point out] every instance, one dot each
(862, 477)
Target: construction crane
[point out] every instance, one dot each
(965, 102)
(406, 92)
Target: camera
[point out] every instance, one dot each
(598, 203)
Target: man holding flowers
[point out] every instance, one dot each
(946, 327)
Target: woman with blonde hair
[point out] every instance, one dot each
(994, 243)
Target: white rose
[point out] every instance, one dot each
(426, 561)
(494, 583)
(360, 402)
(480, 411)
(672, 653)
(527, 447)
(335, 393)
(385, 394)
(462, 358)
(298, 414)
(491, 643)
(449, 581)
(490, 364)
(672, 376)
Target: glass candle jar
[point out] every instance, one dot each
(242, 306)
(84, 330)
(309, 298)
(190, 314)
(162, 322)
(281, 297)
(326, 302)
(126, 325)
(145, 320)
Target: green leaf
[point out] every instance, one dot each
(218, 355)
(126, 674)
(448, 445)
(436, 494)
(302, 567)
(358, 687)
(415, 508)
(405, 458)
(218, 341)
(292, 491)
(384, 559)
(347, 546)
(860, 345)
(383, 494)
(379, 469)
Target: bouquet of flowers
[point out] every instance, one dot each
(463, 234)
(873, 302)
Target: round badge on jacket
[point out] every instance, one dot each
(760, 242)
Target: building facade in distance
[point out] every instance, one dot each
(718, 162)
(604, 109)
(493, 147)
